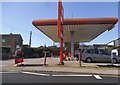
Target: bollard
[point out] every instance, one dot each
(45, 58)
(79, 54)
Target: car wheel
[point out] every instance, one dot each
(114, 60)
(89, 60)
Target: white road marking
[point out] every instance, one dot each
(36, 73)
(97, 76)
(70, 75)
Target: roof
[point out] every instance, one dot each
(85, 29)
(16, 35)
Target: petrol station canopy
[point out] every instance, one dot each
(85, 29)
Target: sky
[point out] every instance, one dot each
(17, 18)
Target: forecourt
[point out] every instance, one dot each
(75, 29)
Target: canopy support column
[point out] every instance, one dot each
(72, 44)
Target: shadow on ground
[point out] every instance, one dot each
(109, 66)
(31, 65)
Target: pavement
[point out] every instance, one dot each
(36, 65)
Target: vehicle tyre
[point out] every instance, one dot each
(114, 60)
(89, 60)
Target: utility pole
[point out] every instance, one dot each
(72, 14)
(30, 39)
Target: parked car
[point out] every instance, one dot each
(98, 55)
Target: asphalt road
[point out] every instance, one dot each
(29, 77)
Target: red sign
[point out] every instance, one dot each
(60, 19)
(19, 60)
(60, 29)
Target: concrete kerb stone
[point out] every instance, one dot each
(65, 70)
(52, 68)
(36, 71)
(74, 70)
(61, 69)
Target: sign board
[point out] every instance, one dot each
(60, 29)
(61, 35)
(117, 42)
(17, 46)
(60, 19)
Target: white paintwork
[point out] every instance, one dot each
(36, 73)
(97, 77)
(69, 75)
